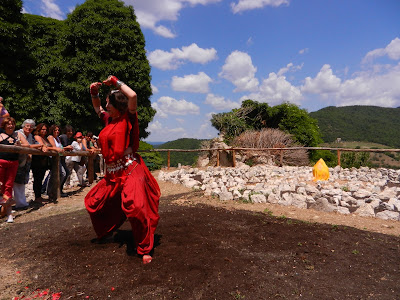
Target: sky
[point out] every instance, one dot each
(207, 56)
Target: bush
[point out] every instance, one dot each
(328, 156)
(152, 160)
(270, 138)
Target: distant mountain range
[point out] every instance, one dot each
(185, 158)
(155, 144)
(360, 123)
(374, 124)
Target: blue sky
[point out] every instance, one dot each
(209, 55)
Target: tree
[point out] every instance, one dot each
(104, 38)
(153, 160)
(255, 116)
(99, 38)
(15, 61)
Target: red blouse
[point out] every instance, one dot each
(118, 135)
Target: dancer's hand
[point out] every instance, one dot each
(94, 88)
(111, 80)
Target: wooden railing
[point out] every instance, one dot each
(54, 192)
(280, 150)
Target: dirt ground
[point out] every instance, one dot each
(205, 249)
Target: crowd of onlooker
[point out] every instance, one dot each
(15, 168)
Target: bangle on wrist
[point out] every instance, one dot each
(118, 84)
(95, 96)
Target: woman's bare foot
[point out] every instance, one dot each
(147, 259)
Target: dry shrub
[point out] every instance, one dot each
(270, 138)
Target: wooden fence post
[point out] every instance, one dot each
(338, 157)
(91, 169)
(169, 159)
(53, 190)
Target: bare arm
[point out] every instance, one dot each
(132, 98)
(23, 140)
(126, 90)
(52, 141)
(45, 147)
(94, 92)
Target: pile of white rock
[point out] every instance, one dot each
(364, 191)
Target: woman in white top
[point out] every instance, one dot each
(74, 162)
(54, 139)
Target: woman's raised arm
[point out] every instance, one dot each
(126, 90)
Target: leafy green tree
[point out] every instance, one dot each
(15, 60)
(99, 38)
(104, 38)
(254, 115)
(45, 45)
(153, 160)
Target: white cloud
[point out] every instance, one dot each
(392, 51)
(171, 60)
(220, 103)
(303, 51)
(154, 89)
(206, 130)
(161, 133)
(275, 90)
(370, 88)
(169, 106)
(163, 60)
(195, 54)
(239, 70)
(243, 5)
(289, 67)
(324, 83)
(150, 12)
(191, 83)
(51, 10)
(378, 86)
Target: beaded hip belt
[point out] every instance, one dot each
(121, 163)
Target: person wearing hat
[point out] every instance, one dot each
(128, 190)
(77, 161)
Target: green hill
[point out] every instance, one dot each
(185, 158)
(360, 123)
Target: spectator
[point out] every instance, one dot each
(40, 163)
(3, 112)
(24, 167)
(8, 166)
(55, 142)
(91, 145)
(76, 161)
(68, 136)
(66, 140)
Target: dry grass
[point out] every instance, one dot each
(270, 138)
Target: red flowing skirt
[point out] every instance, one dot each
(131, 193)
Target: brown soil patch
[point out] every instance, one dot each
(205, 249)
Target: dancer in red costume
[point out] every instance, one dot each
(128, 189)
